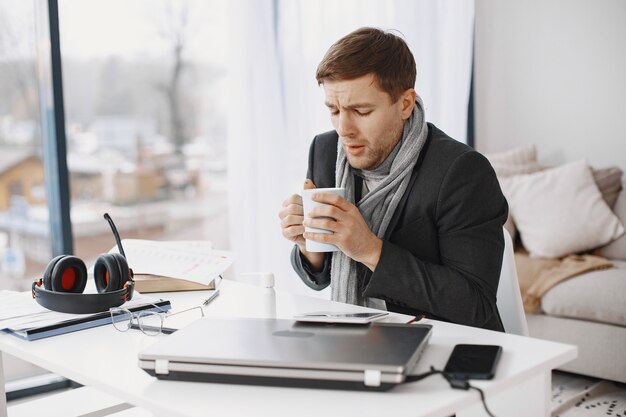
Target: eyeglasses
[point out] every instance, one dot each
(150, 322)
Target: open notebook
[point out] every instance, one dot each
(161, 266)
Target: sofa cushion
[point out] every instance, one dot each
(600, 346)
(617, 248)
(517, 161)
(560, 211)
(523, 160)
(609, 182)
(597, 296)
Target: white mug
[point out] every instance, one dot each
(312, 246)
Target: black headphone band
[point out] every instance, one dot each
(76, 303)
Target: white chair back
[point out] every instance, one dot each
(509, 297)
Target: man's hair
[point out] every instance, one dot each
(370, 50)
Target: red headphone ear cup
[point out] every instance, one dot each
(47, 275)
(106, 273)
(69, 274)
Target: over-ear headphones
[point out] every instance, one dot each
(65, 277)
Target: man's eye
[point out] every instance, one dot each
(363, 114)
(334, 112)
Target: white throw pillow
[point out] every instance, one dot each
(560, 211)
(520, 160)
(516, 161)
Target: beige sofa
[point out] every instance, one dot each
(589, 311)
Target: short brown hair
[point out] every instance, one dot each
(370, 50)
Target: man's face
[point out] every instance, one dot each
(368, 123)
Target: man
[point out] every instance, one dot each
(425, 237)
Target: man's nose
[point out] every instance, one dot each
(345, 126)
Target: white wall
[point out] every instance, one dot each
(553, 73)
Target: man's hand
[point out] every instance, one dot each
(291, 217)
(351, 233)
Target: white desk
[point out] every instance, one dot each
(106, 359)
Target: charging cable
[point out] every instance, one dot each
(454, 383)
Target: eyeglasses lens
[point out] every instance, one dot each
(121, 319)
(150, 322)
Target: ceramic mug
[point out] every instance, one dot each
(312, 246)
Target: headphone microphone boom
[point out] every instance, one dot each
(64, 280)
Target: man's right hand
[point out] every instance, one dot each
(292, 215)
(291, 218)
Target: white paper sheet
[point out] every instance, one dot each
(189, 260)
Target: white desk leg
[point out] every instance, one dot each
(3, 396)
(547, 393)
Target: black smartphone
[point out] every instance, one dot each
(473, 361)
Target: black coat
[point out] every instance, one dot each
(442, 253)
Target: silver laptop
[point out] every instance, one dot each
(287, 353)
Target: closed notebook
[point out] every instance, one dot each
(68, 323)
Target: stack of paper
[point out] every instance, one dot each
(175, 265)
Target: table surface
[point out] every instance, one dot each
(106, 359)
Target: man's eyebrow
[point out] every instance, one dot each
(359, 106)
(352, 106)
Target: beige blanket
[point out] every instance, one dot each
(537, 275)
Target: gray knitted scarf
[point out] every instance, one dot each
(379, 204)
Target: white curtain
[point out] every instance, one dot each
(257, 140)
(277, 106)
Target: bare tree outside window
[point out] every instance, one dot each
(174, 27)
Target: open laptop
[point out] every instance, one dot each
(286, 353)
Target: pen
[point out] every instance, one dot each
(211, 298)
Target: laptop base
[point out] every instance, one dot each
(270, 381)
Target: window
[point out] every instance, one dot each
(24, 241)
(145, 119)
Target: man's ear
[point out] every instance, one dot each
(407, 101)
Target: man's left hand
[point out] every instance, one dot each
(351, 233)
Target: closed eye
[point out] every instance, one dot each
(334, 112)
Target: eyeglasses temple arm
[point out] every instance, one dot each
(182, 311)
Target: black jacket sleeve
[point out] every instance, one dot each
(461, 288)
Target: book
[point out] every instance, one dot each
(164, 266)
(148, 283)
(21, 316)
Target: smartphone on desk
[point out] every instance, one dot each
(339, 317)
(473, 362)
